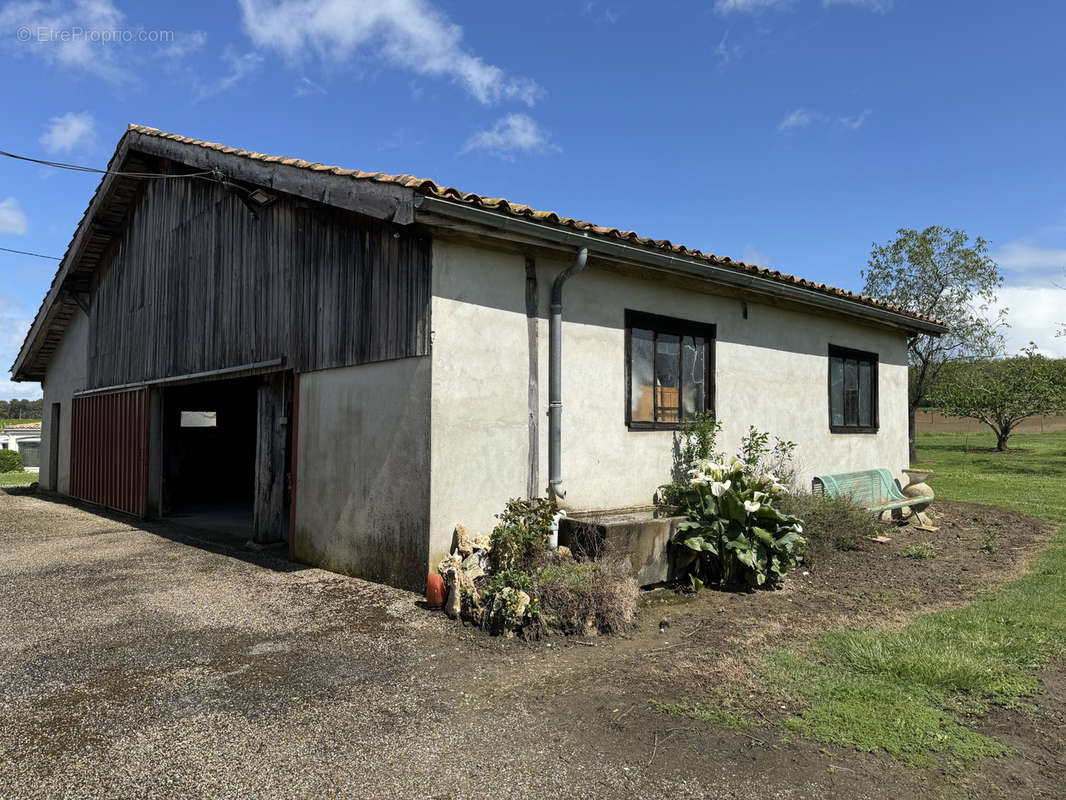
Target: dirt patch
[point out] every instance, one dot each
(977, 548)
(685, 648)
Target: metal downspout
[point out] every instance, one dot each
(555, 371)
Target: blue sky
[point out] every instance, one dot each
(789, 133)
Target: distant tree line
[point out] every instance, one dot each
(21, 409)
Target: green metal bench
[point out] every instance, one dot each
(875, 489)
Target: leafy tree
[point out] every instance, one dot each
(939, 273)
(1001, 393)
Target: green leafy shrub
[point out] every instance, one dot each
(10, 461)
(509, 577)
(581, 597)
(838, 521)
(520, 539)
(760, 457)
(735, 534)
(696, 440)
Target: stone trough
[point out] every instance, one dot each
(638, 535)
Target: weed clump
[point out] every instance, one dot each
(839, 521)
(583, 597)
(919, 551)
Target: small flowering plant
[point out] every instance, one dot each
(735, 534)
(520, 539)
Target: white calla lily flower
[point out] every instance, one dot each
(718, 487)
(751, 507)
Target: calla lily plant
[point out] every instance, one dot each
(734, 533)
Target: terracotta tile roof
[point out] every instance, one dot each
(432, 189)
(499, 204)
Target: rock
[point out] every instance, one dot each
(473, 567)
(482, 544)
(520, 606)
(472, 609)
(563, 553)
(448, 562)
(503, 618)
(466, 581)
(451, 605)
(464, 542)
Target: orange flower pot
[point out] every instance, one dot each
(435, 590)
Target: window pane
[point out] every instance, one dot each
(865, 393)
(693, 376)
(198, 419)
(836, 390)
(851, 392)
(641, 372)
(667, 379)
(31, 453)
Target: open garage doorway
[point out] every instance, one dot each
(224, 457)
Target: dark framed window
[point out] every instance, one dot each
(669, 370)
(852, 390)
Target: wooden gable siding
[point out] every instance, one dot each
(196, 283)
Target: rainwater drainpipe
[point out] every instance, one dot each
(555, 371)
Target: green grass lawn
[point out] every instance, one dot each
(915, 691)
(17, 478)
(11, 421)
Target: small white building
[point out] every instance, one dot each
(362, 361)
(25, 439)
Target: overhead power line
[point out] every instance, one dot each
(28, 253)
(80, 168)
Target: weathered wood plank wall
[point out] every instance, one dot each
(196, 283)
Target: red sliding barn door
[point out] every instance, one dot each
(109, 450)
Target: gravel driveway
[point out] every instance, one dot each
(139, 661)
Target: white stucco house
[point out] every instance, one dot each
(25, 439)
(376, 352)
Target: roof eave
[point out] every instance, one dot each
(506, 226)
(49, 305)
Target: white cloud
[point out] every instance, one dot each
(306, 87)
(799, 118)
(601, 13)
(758, 6)
(94, 37)
(804, 118)
(511, 134)
(1036, 312)
(12, 219)
(854, 121)
(184, 45)
(747, 6)
(409, 34)
(14, 322)
(880, 6)
(240, 66)
(69, 131)
(726, 52)
(39, 27)
(1029, 259)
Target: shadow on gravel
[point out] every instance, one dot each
(184, 533)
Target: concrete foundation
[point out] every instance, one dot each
(638, 536)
